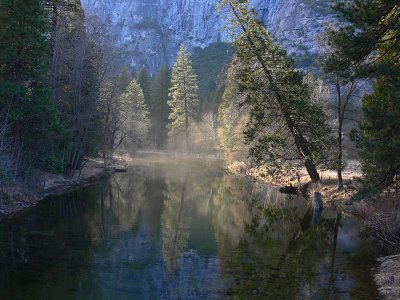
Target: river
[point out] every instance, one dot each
(183, 230)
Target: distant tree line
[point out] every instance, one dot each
(183, 101)
(65, 94)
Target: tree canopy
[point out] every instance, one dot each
(368, 46)
(183, 100)
(285, 124)
(24, 90)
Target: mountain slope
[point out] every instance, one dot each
(152, 30)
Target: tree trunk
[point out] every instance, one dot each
(312, 171)
(300, 141)
(339, 161)
(340, 119)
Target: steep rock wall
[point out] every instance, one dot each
(152, 30)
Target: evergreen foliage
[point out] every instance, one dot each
(144, 81)
(159, 109)
(286, 126)
(379, 134)
(135, 117)
(368, 46)
(208, 62)
(370, 26)
(24, 92)
(183, 100)
(62, 89)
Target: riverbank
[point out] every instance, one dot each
(381, 214)
(331, 197)
(387, 277)
(20, 196)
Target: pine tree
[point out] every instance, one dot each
(134, 117)
(379, 137)
(183, 97)
(285, 124)
(144, 81)
(24, 56)
(207, 64)
(369, 26)
(368, 46)
(159, 109)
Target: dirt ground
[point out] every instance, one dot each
(328, 188)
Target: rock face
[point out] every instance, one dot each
(151, 31)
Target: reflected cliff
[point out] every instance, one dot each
(177, 230)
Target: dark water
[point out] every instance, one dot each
(183, 231)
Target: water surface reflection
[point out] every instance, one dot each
(183, 231)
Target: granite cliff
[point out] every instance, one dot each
(152, 30)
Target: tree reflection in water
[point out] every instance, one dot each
(179, 231)
(277, 247)
(175, 223)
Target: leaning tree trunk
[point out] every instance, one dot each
(300, 141)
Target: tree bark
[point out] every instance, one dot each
(339, 162)
(340, 153)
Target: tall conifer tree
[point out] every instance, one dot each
(368, 46)
(285, 125)
(183, 96)
(24, 56)
(134, 117)
(144, 81)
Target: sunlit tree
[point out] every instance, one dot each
(183, 97)
(232, 119)
(287, 127)
(134, 117)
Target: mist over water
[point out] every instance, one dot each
(180, 229)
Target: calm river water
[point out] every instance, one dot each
(174, 230)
